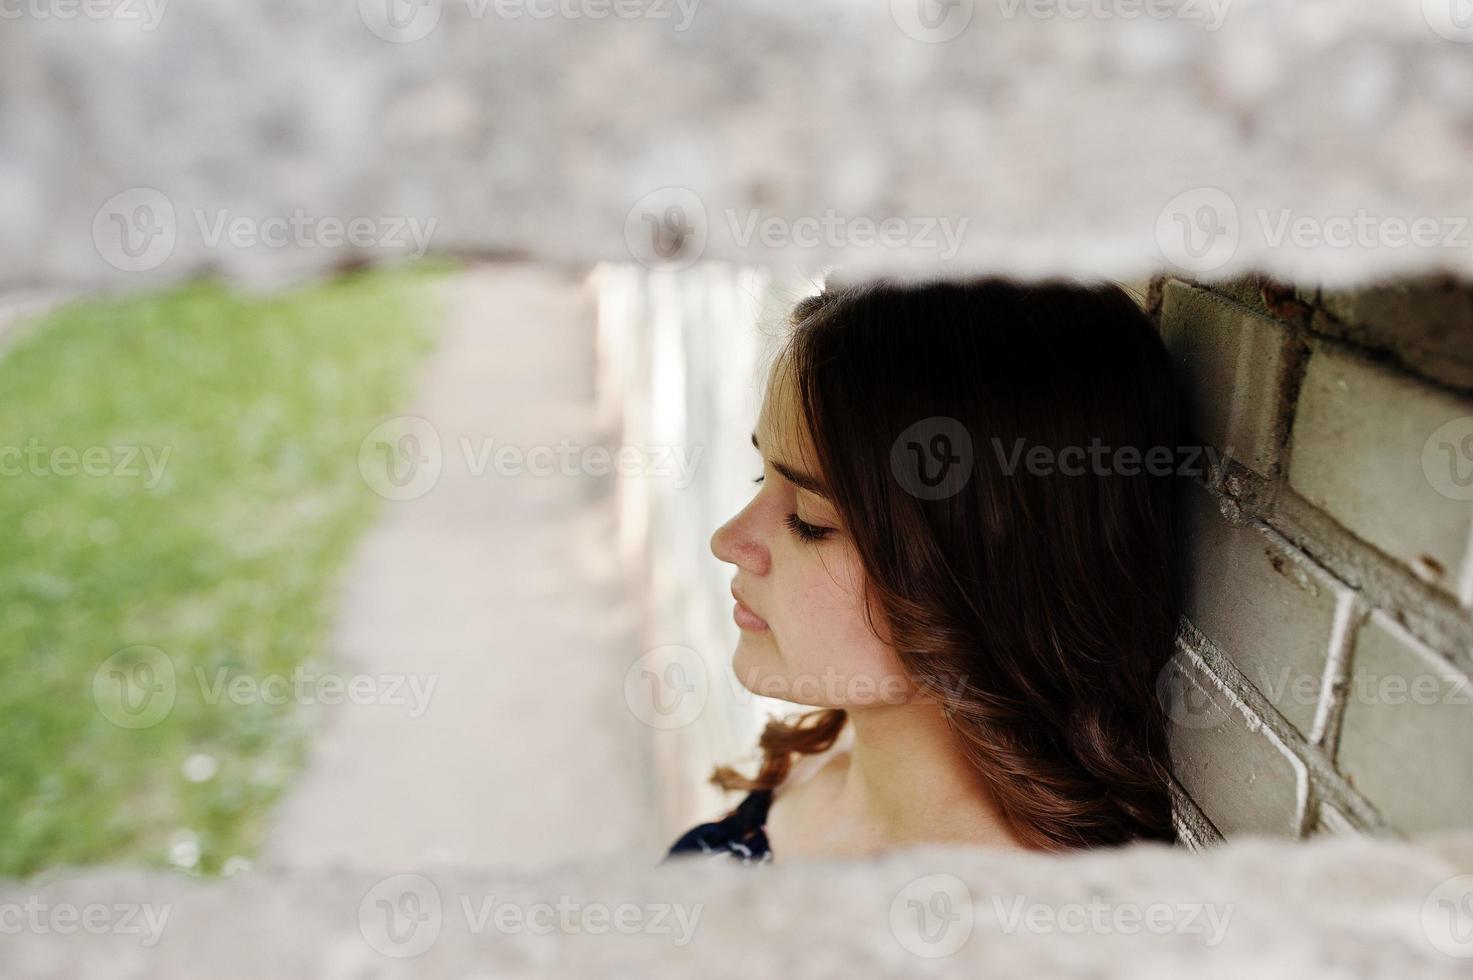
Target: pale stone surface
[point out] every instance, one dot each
(1234, 365)
(1341, 907)
(1241, 774)
(1022, 138)
(1369, 448)
(1270, 608)
(1407, 736)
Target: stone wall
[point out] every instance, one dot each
(143, 141)
(1322, 682)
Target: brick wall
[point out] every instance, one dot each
(1321, 680)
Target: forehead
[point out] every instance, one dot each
(781, 430)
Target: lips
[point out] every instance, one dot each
(745, 618)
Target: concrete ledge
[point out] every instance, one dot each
(1341, 906)
(1041, 137)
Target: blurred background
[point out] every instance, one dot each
(384, 569)
(373, 374)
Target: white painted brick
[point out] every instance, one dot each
(1331, 821)
(1406, 739)
(1245, 780)
(1266, 605)
(1428, 323)
(1233, 365)
(1357, 452)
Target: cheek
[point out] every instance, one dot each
(822, 636)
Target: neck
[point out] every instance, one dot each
(908, 781)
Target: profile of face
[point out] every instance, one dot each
(799, 584)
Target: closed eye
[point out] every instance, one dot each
(806, 531)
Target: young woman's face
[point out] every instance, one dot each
(799, 585)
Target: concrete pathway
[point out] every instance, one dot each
(504, 590)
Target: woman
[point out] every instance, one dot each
(960, 553)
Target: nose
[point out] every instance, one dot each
(738, 542)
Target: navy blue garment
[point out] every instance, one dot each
(741, 834)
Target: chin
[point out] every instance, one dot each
(757, 664)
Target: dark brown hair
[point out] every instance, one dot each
(1036, 603)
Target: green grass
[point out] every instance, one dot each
(230, 561)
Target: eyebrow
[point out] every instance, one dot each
(796, 477)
